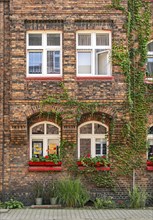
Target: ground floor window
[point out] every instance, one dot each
(44, 139)
(150, 142)
(92, 139)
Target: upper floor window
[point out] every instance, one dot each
(93, 53)
(150, 142)
(44, 139)
(44, 52)
(150, 60)
(92, 139)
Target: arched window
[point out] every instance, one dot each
(150, 60)
(92, 139)
(150, 142)
(44, 139)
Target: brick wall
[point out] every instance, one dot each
(20, 101)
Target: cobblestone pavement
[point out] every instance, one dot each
(76, 214)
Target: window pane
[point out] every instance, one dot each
(84, 39)
(51, 129)
(53, 39)
(151, 130)
(53, 62)
(98, 149)
(35, 62)
(53, 146)
(86, 129)
(37, 147)
(102, 39)
(150, 150)
(150, 66)
(84, 62)
(150, 47)
(35, 39)
(38, 129)
(99, 129)
(85, 147)
(102, 59)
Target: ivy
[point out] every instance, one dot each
(131, 58)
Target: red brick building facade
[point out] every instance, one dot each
(44, 43)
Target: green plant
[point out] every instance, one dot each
(137, 197)
(92, 161)
(13, 204)
(1, 205)
(38, 189)
(48, 158)
(52, 189)
(103, 203)
(72, 193)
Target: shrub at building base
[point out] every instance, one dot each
(71, 193)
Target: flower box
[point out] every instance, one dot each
(98, 164)
(45, 163)
(149, 163)
(44, 168)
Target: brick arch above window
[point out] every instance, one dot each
(97, 116)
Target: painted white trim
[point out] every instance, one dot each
(94, 47)
(44, 48)
(92, 137)
(44, 137)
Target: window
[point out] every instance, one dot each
(150, 60)
(92, 139)
(93, 53)
(44, 54)
(44, 139)
(150, 142)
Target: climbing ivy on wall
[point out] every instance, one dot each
(131, 58)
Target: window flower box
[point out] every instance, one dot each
(99, 162)
(149, 165)
(44, 163)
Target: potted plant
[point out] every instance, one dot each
(38, 192)
(52, 191)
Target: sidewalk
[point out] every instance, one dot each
(76, 214)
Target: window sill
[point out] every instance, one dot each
(102, 78)
(44, 168)
(44, 78)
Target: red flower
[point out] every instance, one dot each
(104, 156)
(46, 157)
(88, 155)
(54, 148)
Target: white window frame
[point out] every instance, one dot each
(92, 137)
(91, 48)
(149, 137)
(150, 55)
(43, 48)
(45, 137)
